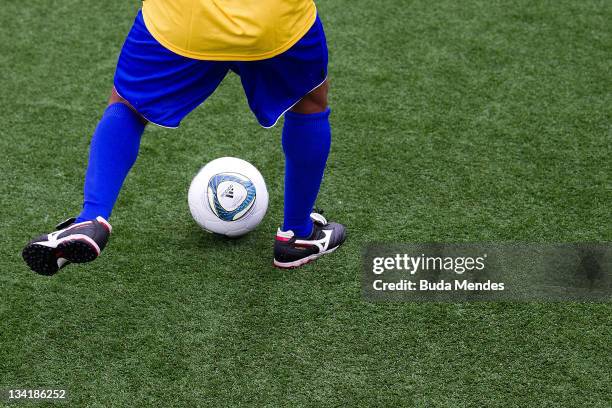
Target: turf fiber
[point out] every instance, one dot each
(453, 121)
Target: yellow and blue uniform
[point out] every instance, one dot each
(179, 51)
(228, 30)
(173, 58)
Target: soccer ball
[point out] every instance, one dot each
(228, 196)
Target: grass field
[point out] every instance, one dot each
(454, 121)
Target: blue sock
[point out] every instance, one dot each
(306, 143)
(112, 153)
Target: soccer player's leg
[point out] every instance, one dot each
(295, 82)
(152, 84)
(306, 235)
(306, 142)
(112, 152)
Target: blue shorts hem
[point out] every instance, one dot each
(144, 114)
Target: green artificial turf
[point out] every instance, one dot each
(453, 121)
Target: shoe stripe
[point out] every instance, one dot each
(82, 237)
(52, 236)
(322, 243)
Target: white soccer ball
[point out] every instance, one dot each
(228, 196)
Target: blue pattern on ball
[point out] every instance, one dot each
(221, 212)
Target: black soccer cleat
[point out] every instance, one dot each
(70, 243)
(291, 252)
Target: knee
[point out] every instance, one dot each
(314, 102)
(116, 98)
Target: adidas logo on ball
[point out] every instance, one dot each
(229, 192)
